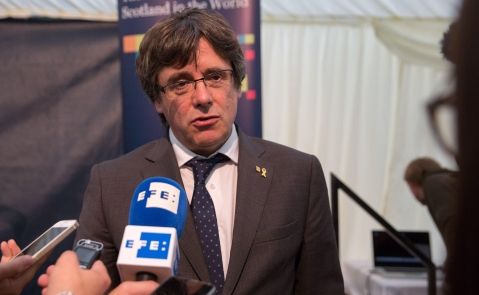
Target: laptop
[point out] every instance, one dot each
(391, 257)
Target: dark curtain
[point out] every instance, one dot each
(60, 113)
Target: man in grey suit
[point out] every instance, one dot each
(436, 188)
(271, 208)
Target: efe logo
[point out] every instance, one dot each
(161, 195)
(152, 245)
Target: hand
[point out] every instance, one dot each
(66, 275)
(135, 288)
(9, 250)
(16, 273)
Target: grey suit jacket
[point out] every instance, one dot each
(440, 192)
(283, 238)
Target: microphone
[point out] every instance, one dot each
(149, 249)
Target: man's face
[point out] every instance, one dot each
(201, 120)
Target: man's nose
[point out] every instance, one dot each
(201, 95)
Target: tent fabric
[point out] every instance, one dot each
(60, 113)
(95, 10)
(413, 41)
(106, 10)
(354, 94)
(306, 9)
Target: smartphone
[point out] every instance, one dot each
(49, 239)
(87, 251)
(183, 286)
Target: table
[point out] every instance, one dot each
(360, 278)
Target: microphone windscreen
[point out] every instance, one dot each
(160, 202)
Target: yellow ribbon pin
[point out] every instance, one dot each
(262, 171)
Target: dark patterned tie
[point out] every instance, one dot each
(204, 216)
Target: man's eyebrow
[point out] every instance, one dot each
(212, 70)
(184, 75)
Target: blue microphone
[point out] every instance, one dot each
(159, 201)
(149, 250)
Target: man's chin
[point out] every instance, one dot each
(209, 144)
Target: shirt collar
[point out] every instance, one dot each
(183, 154)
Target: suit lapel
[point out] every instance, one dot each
(251, 195)
(163, 163)
(254, 179)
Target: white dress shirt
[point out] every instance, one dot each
(221, 184)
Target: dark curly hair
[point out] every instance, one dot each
(448, 43)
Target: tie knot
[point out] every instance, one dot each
(203, 167)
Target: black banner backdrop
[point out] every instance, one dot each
(60, 113)
(141, 123)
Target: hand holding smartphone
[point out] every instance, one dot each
(49, 239)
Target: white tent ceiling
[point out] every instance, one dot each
(106, 10)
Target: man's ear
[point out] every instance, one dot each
(238, 94)
(158, 106)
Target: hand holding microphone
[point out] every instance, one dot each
(68, 277)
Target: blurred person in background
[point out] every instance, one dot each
(463, 260)
(435, 187)
(448, 43)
